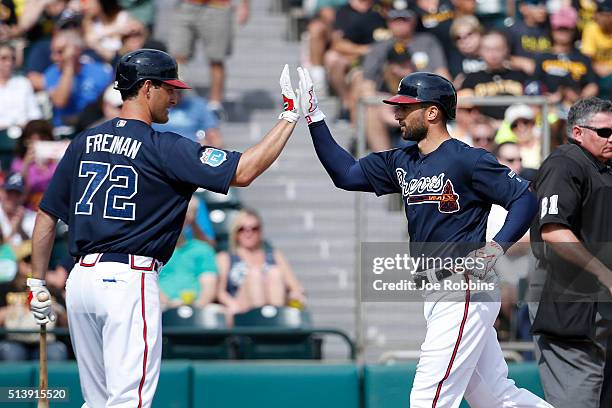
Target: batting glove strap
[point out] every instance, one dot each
(316, 116)
(31, 282)
(290, 116)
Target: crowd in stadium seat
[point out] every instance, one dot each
(56, 69)
(253, 274)
(57, 61)
(561, 50)
(361, 48)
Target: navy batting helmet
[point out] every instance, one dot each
(421, 87)
(144, 64)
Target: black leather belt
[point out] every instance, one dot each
(441, 274)
(124, 259)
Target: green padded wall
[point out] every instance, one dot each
(526, 375)
(388, 386)
(225, 385)
(174, 387)
(185, 384)
(17, 375)
(64, 375)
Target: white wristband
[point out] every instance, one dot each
(33, 283)
(315, 116)
(289, 116)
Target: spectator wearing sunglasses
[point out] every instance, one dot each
(509, 154)
(252, 274)
(573, 316)
(464, 57)
(482, 133)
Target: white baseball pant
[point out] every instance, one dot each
(462, 357)
(114, 318)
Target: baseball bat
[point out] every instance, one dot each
(43, 380)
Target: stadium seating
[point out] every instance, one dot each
(274, 345)
(194, 345)
(220, 201)
(221, 219)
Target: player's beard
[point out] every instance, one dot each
(415, 132)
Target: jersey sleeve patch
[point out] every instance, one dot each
(213, 157)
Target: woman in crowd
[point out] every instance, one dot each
(251, 274)
(105, 23)
(17, 100)
(464, 57)
(34, 167)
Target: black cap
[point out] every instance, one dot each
(400, 13)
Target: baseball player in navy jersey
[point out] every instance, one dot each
(448, 189)
(123, 190)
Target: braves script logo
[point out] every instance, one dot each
(432, 190)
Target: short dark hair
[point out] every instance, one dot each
(133, 91)
(39, 127)
(582, 111)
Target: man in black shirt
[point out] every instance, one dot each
(529, 37)
(564, 64)
(570, 238)
(497, 78)
(358, 24)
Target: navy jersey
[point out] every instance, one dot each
(448, 193)
(123, 187)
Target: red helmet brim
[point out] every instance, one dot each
(400, 100)
(177, 83)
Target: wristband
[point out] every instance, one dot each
(289, 116)
(33, 283)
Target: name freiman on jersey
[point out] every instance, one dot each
(113, 144)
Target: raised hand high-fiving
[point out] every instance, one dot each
(290, 106)
(308, 99)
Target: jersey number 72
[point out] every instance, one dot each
(123, 187)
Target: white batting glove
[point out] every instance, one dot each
(290, 111)
(41, 309)
(485, 259)
(308, 99)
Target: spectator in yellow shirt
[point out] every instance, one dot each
(597, 42)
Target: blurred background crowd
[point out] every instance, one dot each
(57, 62)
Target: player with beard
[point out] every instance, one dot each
(448, 188)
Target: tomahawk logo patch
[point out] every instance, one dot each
(429, 190)
(213, 157)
